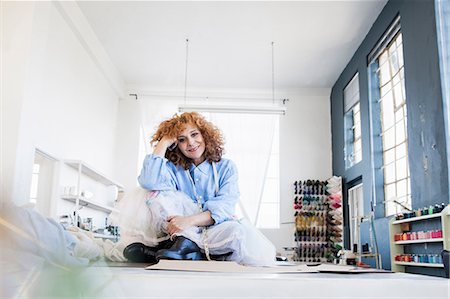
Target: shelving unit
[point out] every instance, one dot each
(98, 205)
(90, 204)
(318, 219)
(398, 247)
(103, 236)
(417, 218)
(419, 241)
(92, 173)
(420, 264)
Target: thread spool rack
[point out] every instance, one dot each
(318, 221)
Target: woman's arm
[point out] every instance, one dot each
(156, 174)
(163, 145)
(179, 223)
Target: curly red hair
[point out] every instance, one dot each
(211, 135)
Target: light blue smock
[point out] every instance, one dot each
(159, 174)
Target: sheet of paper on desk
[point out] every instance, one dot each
(233, 267)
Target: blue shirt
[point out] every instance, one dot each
(159, 174)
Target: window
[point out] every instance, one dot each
(353, 144)
(34, 183)
(392, 130)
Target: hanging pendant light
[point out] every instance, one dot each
(276, 109)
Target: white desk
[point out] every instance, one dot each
(133, 281)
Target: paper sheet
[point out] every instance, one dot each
(233, 267)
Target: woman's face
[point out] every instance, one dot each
(191, 143)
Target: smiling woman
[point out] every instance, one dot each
(192, 211)
(196, 138)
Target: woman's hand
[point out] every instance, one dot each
(178, 224)
(163, 144)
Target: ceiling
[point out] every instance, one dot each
(230, 43)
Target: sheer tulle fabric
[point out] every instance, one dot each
(142, 219)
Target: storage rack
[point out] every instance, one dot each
(318, 221)
(398, 247)
(84, 170)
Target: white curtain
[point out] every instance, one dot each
(248, 142)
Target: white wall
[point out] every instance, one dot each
(17, 21)
(305, 153)
(60, 102)
(128, 141)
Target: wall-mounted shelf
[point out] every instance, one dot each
(417, 218)
(419, 241)
(420, 264)
(398, 247)
(102, 236)
(92, 173)
(87, 193)
(90, 204)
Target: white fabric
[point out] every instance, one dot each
(142, 219)
(25, 231)
(86, 245)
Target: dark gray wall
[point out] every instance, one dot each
(426, 130)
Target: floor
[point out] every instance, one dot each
(133, 281)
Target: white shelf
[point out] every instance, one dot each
(417, 218)
(90, 172)
(89, 203)
(419, 241)
(420, 264)
(102, 236)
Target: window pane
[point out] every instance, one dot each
(401, 168)
(399, 41)
(402, 190)
(390, 192)
(389, 173)
(394, 60)
(387, 110)
(384, 74)
(401, 151)
(389, 156)
(400, 134)
(399, 115)
(356, 117)
(385, 89)
(34, 186)
(389, 138)
(398, 96)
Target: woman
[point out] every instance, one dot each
(188, 158)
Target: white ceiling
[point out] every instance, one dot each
(230, 42)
